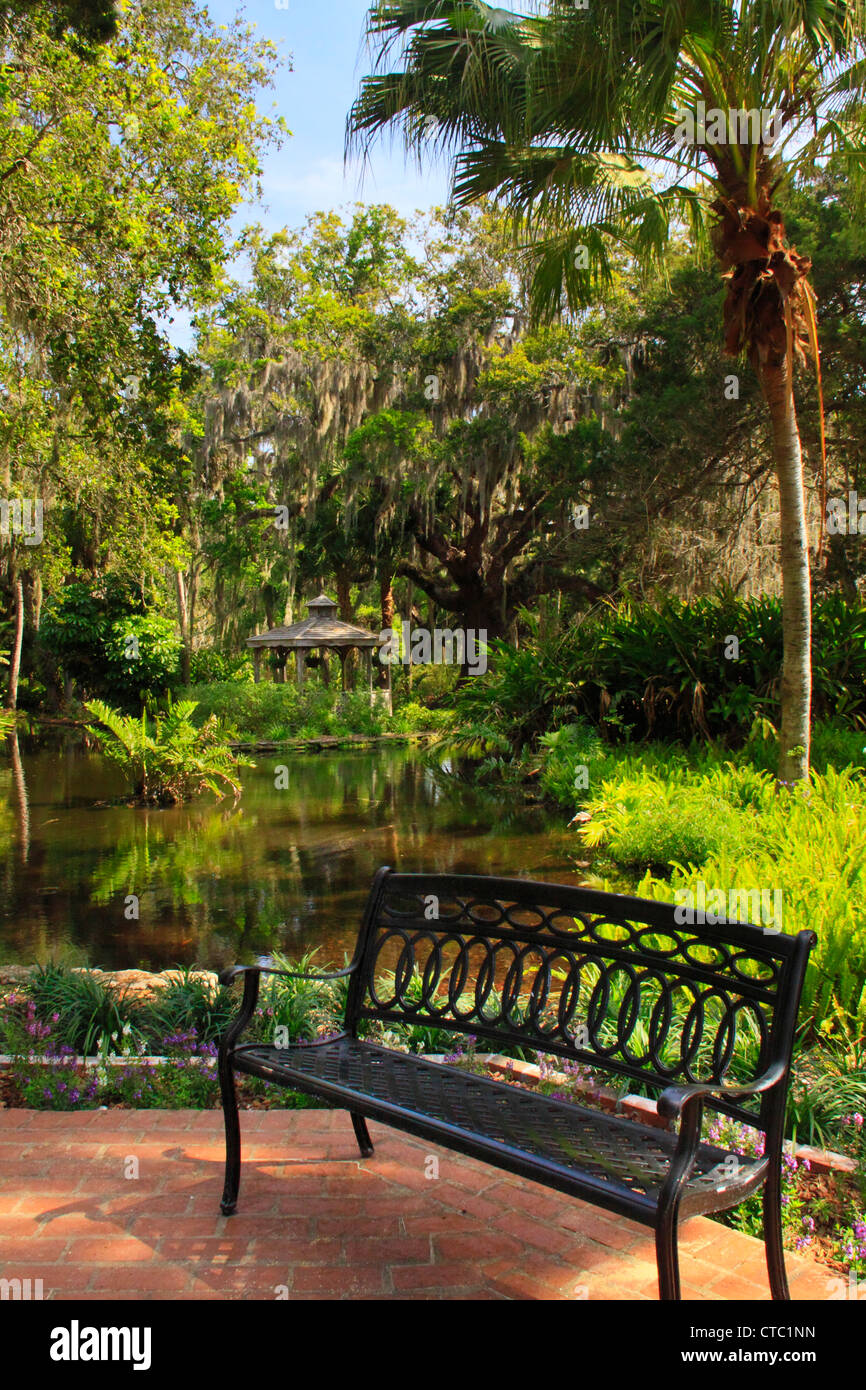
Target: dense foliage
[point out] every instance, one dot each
(668, 669)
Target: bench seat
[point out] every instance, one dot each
(614, 1163)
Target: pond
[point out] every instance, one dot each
(288, 868)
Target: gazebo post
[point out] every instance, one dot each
(326, 666)
(341, 653)
(299, 667)
(257, 664)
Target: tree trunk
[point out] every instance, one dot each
(36, 601)
(15, 665)
(191, 601)
(183, 620)
(386, 596)
(796, 689)
(344, 594)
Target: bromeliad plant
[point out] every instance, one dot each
(170, 760)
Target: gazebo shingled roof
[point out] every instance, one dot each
(321, 629)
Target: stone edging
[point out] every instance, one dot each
(131, 982)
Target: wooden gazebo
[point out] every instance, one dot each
(322, 631)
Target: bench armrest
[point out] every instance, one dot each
(686, 1103)
(673, 1101)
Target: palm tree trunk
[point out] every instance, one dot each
(796, 690)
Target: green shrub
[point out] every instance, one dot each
(209, 666)
(416, 718)
(573, 760)
(105, 640)
(644, 819)
(305, 1008)
(189, 1005)
(278, 713)
(828, 1094)
(252, 712)
(142, 654)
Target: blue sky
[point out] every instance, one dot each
(325, 41)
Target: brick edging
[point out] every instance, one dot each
(642, 1108)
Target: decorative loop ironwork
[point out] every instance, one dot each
(650, 998)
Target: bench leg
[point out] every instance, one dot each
(667, 1258)
(773, 1237)
(233, 1139)
(362, 1134)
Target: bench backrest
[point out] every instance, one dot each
(607, 980)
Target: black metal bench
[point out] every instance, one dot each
(609, 981)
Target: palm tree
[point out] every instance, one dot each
(596, 125)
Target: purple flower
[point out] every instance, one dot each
(859, 1229)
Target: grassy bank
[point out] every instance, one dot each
(674, 819)
(271, 713)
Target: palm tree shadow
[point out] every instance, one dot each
(202, 1255)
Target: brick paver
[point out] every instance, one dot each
(315, 1221)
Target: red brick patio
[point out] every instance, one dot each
(316, 1222)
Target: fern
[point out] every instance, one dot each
(175, 761)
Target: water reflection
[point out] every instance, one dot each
(285, 869)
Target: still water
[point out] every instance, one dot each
(285, 870)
